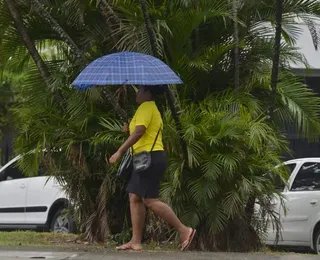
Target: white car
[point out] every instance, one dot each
(32, 202)
(301, 219)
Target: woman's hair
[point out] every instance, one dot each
(155, 90)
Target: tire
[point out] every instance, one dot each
(62, 222)
(316, 243)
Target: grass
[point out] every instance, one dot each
(285, 251)
(52, 241)
(65, 242)
(27, 238)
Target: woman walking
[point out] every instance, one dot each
(143, 187)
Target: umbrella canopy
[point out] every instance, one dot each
(126, 68)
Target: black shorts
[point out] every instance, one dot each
(146, 184)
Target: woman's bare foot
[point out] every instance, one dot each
(184, 234)
(130, 246)
(187, 236)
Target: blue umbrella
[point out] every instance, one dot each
(126, 68)
(129, 68)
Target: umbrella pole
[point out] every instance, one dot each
(175, 111)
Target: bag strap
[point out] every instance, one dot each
(156, 138)
(154, 143)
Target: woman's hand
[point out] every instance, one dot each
(116, 157)
(133, 138)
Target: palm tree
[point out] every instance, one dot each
(28, 42)
(111, 18)
(108, 12)
(226, 158)
(235, 4)
(78, 53)
(58, 29)
(170, 96)
(148, 24)
(276, 54)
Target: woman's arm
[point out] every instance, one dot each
(132, 139)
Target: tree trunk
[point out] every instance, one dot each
(112, 100)
(175, 115)
(79, 53)
(40, 63)
(109, 14)
(147, 21)
(22, 30)
(276, 56)
(235, 6)
(249, 210)
(58, 29)
(170, 96)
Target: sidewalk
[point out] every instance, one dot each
(23, 255)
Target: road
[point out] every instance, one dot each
(23, 255)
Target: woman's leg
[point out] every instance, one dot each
(138, 215)
(163, 211)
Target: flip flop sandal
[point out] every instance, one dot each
(126, 248)
(186, 244)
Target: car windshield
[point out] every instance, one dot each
(286, 170)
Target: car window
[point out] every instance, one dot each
(279, 183)
(308, 177)
(12, 172)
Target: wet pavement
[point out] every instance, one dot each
(23, 255)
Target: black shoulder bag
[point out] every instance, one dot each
(135, 163)
(142, 161)
(125, 167)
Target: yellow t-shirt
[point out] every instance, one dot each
(149, 116)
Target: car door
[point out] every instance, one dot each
(292, 168)
(13, 190)
(302, 201)
(41, 194)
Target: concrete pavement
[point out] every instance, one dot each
(24, 255)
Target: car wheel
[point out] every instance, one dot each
(62, 222)
(317, 243)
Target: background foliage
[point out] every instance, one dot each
(231, 140)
